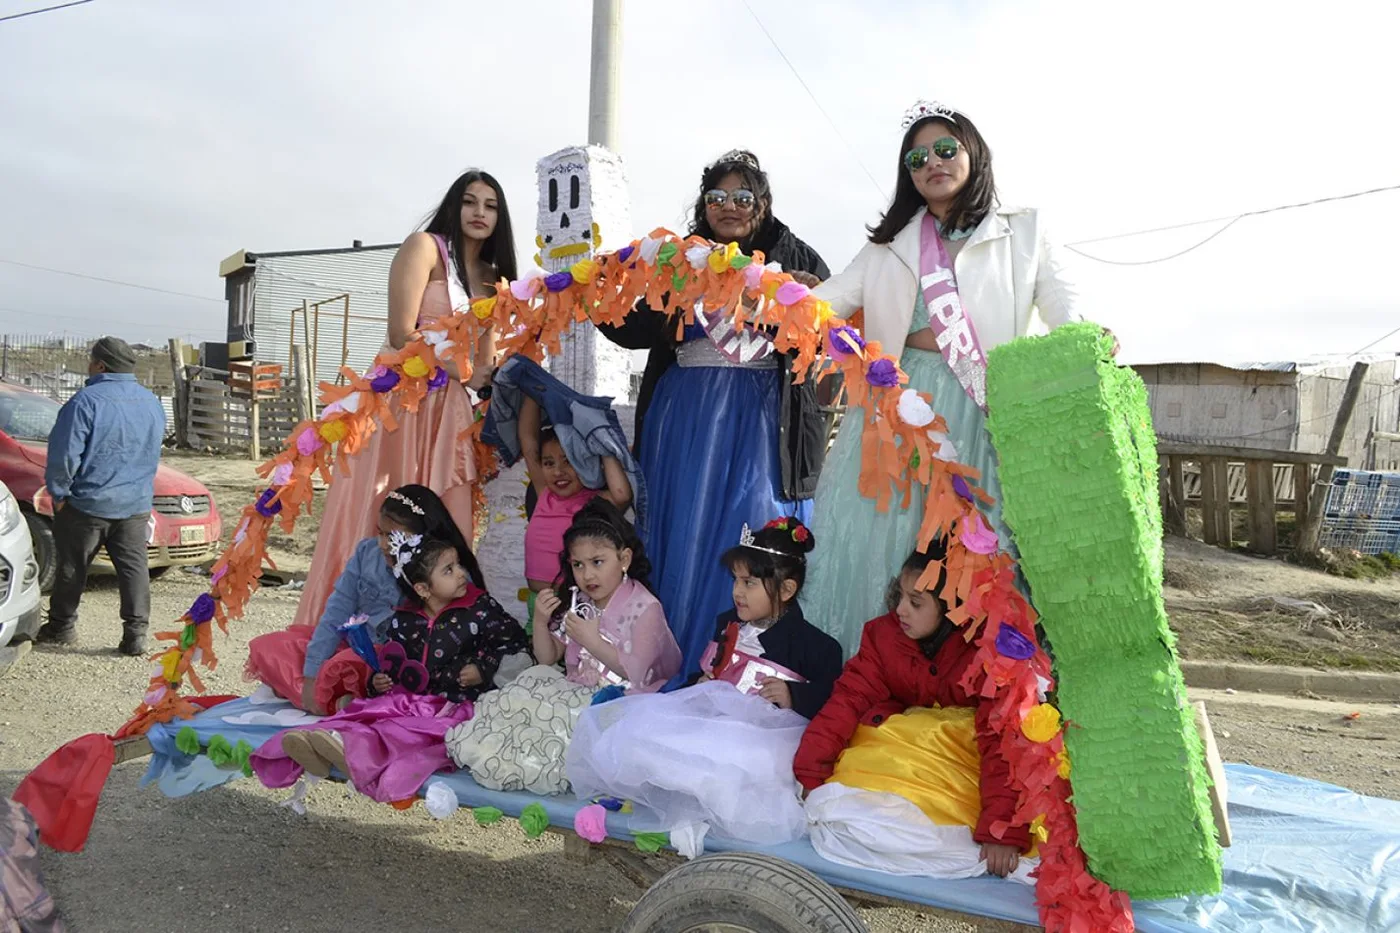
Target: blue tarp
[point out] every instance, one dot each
(1307, 857)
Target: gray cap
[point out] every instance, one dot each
(115, 354)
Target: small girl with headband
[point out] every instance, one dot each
(609, 632)
(443, 649)
(719, 754)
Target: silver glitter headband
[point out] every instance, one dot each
(413, 507)
(926, 109)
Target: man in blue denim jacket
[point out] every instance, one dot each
(103, 454)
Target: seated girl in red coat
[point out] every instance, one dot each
(901, 769)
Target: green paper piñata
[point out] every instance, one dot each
(1079, 488)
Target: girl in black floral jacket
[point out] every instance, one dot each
(450, 637)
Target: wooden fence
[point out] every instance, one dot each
(210, 415)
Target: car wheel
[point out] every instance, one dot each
(156, 572)
(45, 553)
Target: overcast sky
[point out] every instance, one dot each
(145, 140)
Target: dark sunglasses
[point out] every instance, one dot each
(946, 148)
(741, 198)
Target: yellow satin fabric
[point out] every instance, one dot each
(927, 756)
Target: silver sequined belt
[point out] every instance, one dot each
(702, 352)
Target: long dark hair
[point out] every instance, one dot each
(914, 565)
(498, 249)
(974, 202)
(431, 521)
(601, 520)
(418, 567)
(762, 564)
(743, 163)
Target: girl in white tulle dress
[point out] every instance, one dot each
(719, 754)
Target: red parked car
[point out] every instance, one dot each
(185, 524)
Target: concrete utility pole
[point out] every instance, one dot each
(606, 81)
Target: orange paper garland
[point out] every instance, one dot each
(673, 274)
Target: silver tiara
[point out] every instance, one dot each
(741, 156)
(924, 109)
(413, 507)
(405, 547)
(746, 540)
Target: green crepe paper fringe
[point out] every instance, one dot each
(221, 752)
(242, 752)
(487, 816)
(534, 820)
(187, 741)
(1079, 489)
(651, 842)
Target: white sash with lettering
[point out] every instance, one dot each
(957, 338)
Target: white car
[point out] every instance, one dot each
(19, 572)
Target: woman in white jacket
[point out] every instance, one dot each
(944, 245)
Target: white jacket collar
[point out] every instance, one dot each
(906, 242)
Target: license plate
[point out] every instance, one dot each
(192, 534)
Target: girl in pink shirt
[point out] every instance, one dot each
(561, 495)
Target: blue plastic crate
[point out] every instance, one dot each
(1363, 494)
(1365, 535)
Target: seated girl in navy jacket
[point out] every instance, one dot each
(712, 755)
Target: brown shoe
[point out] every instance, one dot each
(298, 747)
(329, 746)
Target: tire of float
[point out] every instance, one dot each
(751, 892)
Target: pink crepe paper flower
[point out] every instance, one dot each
(591, 823)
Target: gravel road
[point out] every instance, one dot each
(234, 859)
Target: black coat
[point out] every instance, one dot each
(802, 426)
(802, 648)
(472, 630)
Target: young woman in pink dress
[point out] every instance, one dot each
(463, 249)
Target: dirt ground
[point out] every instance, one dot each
(236, 859)
(1233, 607)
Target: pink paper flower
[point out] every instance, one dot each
(976, 536)
(591, 823)
(282, 475)
(753, 276)
(308, 442)
(790, 293)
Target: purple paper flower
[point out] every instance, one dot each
(844, 341)
(384, 380)
(265, 506)
(960, 487)
(559, 281)
(1014, 645)
(438, 380)
(203, 609)
(625, 253)
(883, 373)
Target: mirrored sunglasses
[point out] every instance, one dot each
(946, 148)
(741, 198)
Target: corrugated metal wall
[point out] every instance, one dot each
(1203, 402)
(283, 282)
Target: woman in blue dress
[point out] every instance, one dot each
(724, 435)
(986, 270)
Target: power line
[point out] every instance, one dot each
(1376, 341)
(47, 9)
(791, 67)
(1228, 222)
(98, 278)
